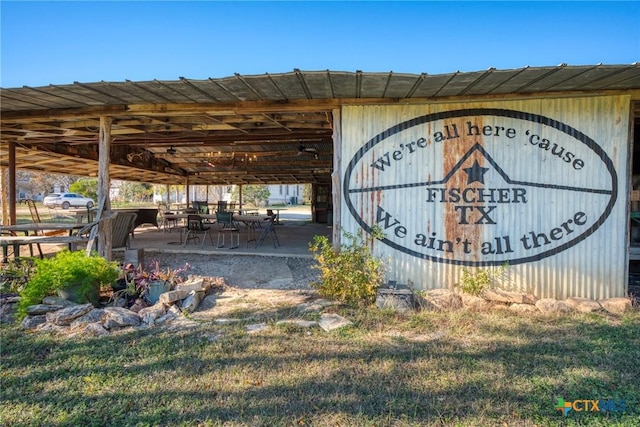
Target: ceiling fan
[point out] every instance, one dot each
(307, 150)
(171, 150)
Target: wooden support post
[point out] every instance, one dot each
(186, 191)
(240, 197)
(104, 184)
(336, 184)
(13, 191)
(4, 197)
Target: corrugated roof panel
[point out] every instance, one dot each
(195, 90)
(318, 84)
(265, 87)
(431, 85)
(520, 80)
(623, 80)
(155, 92)
(389, 85)
(14, 100)
(459, 83)
(78, 93)
(238, 89)
(121, 91)
(344, 84)
(300, 85)
(176, 90)
(43, 97)
(553, 78)
(289, 85)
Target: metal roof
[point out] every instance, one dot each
(270, 128)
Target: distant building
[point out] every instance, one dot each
(288, 194)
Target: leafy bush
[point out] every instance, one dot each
(67, 269)
(351, 275)
(476, 282)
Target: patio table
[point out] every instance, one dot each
(251, 222)
(184, 216)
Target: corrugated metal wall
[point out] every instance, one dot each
(538, 185)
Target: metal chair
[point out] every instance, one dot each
(163, 211)
(226, 225)
(195, 227)
(269, 230)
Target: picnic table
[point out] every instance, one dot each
(34, 233)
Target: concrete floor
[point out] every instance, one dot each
(294, 234)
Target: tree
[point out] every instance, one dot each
(136, 191)
(306, 193)
(254, 194)
(88, 187)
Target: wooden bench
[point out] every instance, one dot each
(17, 241)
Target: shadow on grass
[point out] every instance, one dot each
(511, 372)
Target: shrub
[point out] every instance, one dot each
(65, 270)
(476, 282)
(351, 275)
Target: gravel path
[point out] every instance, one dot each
(244, 271)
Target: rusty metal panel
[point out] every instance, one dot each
(537, 189)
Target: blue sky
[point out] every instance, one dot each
(59, 42)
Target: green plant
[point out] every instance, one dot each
(137, 281)
(64, 271)
(15, 274)
(352, 274)
(475, 282)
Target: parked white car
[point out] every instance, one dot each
(66, 200)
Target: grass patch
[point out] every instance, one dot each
(388, 369)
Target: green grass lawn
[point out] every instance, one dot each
(459, 368)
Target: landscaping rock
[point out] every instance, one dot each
(395, 299)
(523, 308)
(329, 322)
(118, 317)
(315, 306)
(474, 302)
(95, 329)
(150, 314)
(191, 302)
(32, 322)
(441, 299)
(51, 300)
(551, 306)
(171, 315)
(193, 284)
(10, 299)
(172, 296)
(208, 302)
(297, 322)
(256, 327)
(8, 313)
(52, 327)
(36, 309)
(95, 315)
(616, 305)
(585, 305)
(499, 295)
(67, 315)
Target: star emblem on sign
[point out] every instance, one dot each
(475, 173)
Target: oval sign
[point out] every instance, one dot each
(481, 186)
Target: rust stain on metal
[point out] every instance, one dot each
(455, 230)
